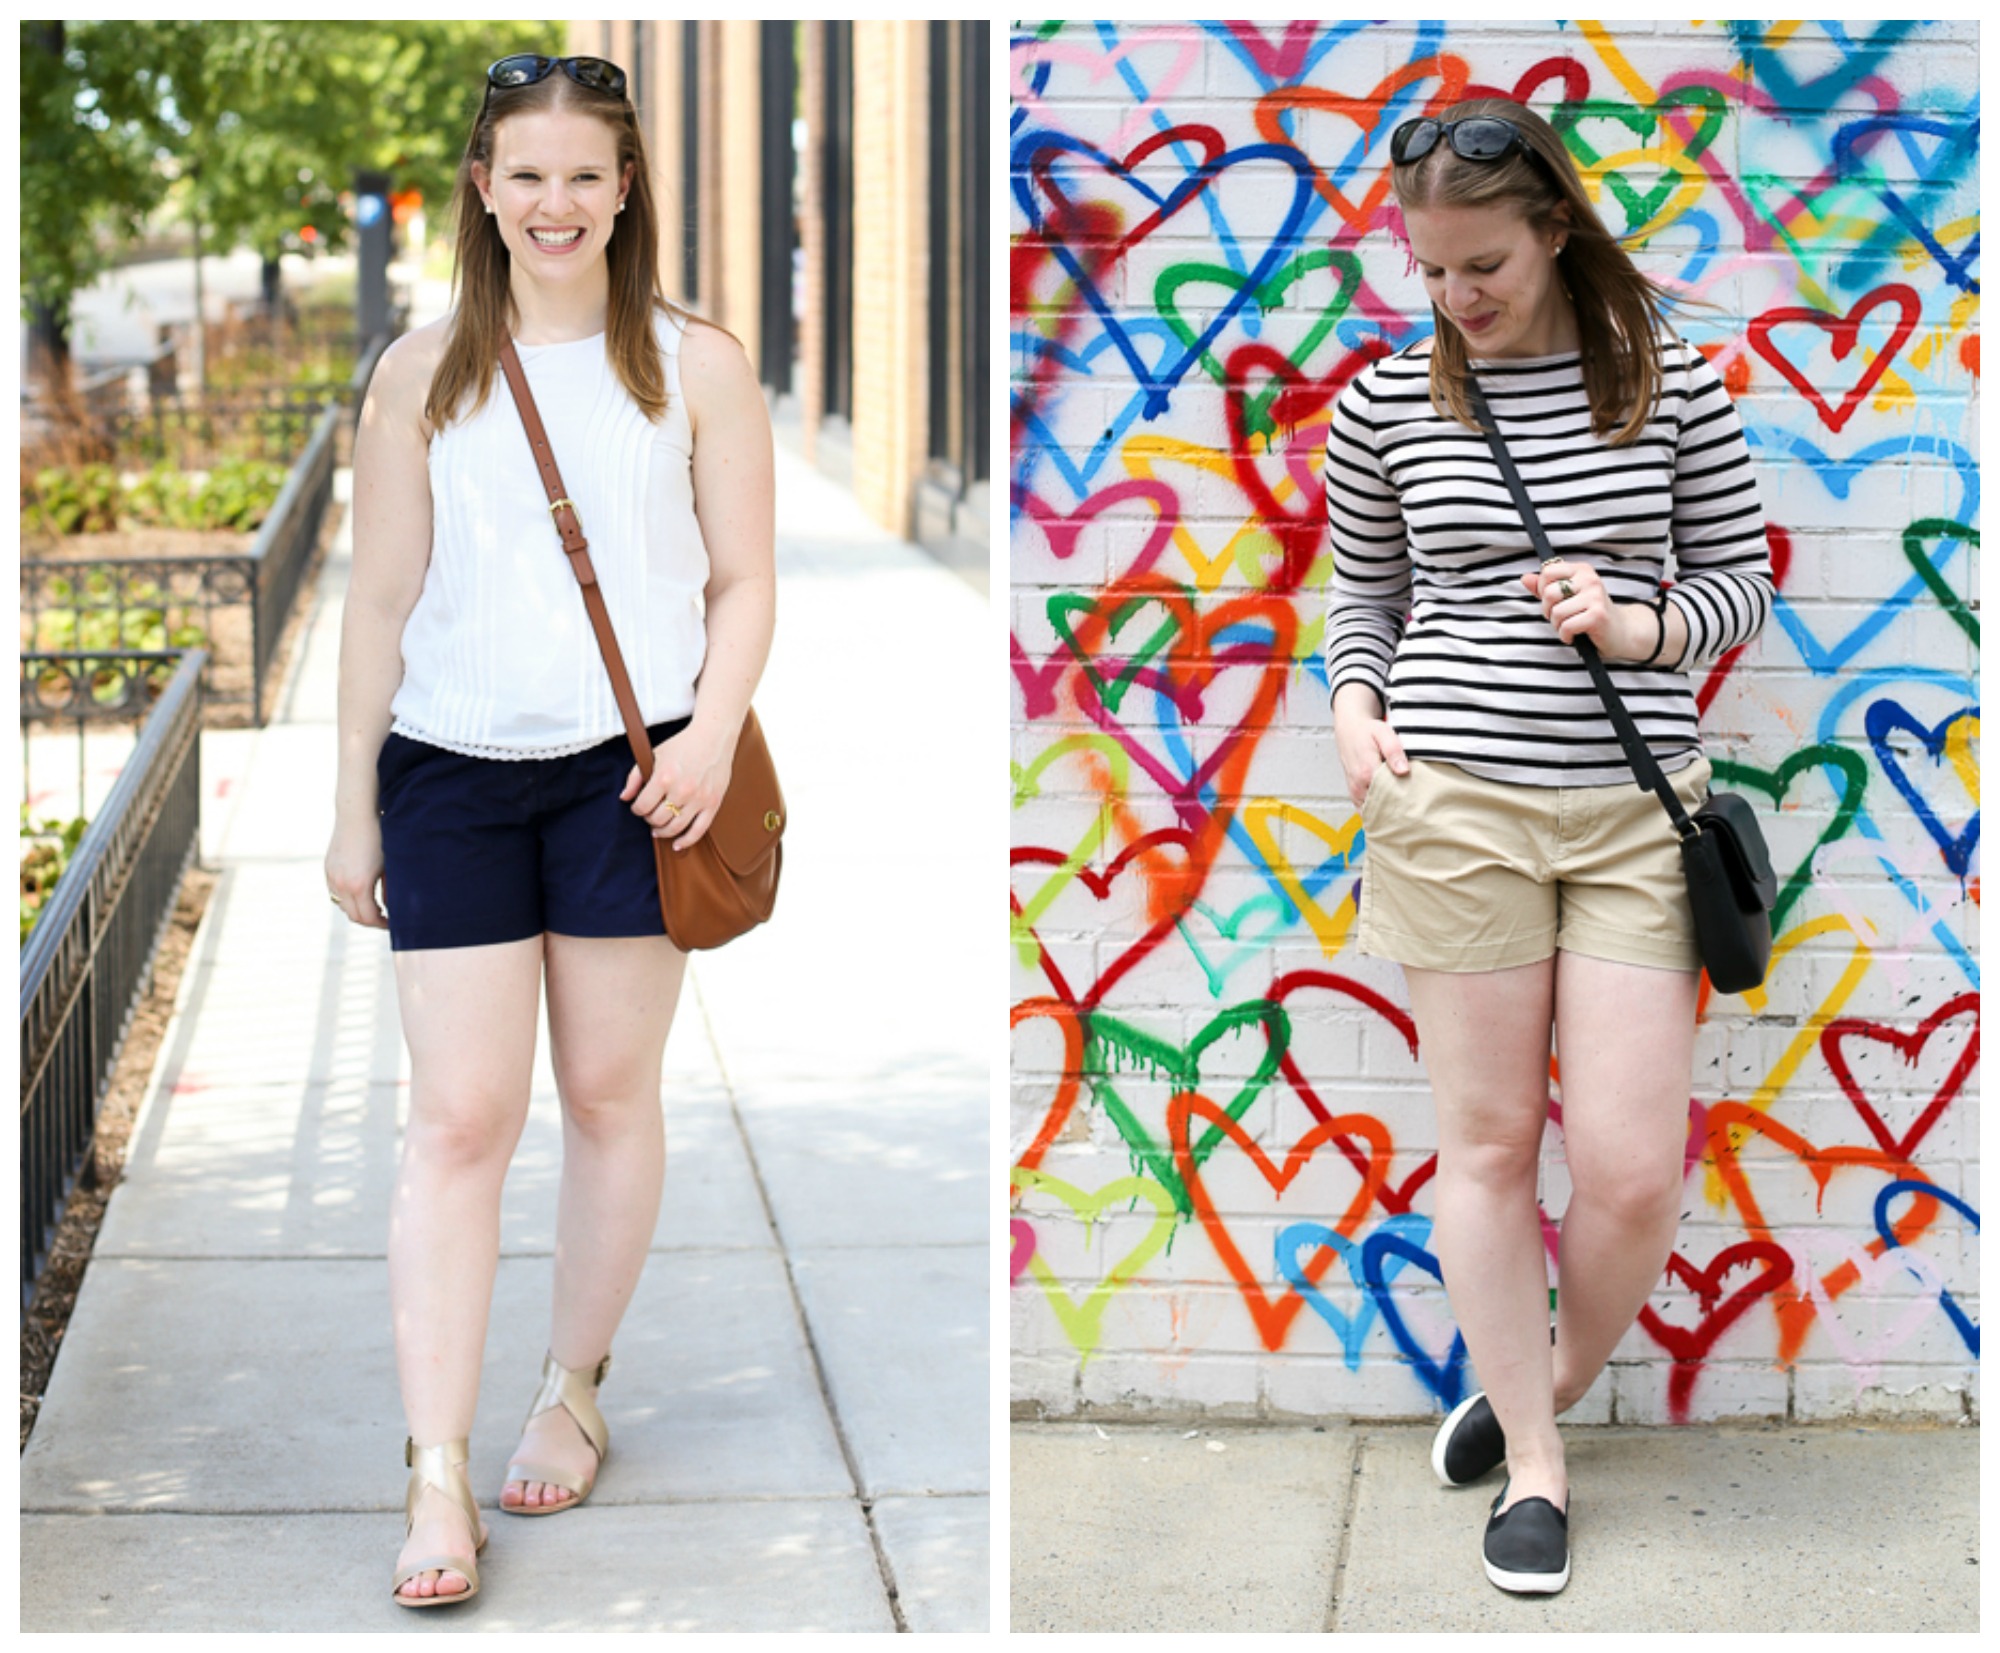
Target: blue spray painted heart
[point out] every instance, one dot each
(1947, 167)
(1352, 1330)
(1838, 476)
(1034, 158)
(1968, 1328)
(1858, 691)
(1881, 720)
(1445, 1377)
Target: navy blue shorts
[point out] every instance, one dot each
(483, 850)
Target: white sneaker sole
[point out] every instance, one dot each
(1529, 1584)
(1443, 1439)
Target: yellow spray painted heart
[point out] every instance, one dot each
(1083, 1322)
(1331, 928)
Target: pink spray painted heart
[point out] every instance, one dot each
(1024, 1245)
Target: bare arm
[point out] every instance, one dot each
(735, 501)
(392, 548)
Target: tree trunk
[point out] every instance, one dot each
(274, 288)
(48, 324)
(200, 309)
(48, 348)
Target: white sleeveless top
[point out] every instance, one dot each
(499, 660)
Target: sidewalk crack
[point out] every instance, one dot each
(1354, 1468)
(882, 1567)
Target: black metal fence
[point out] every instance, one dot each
(273, 424)
(284, 546)
(90, 954)
(235, 606)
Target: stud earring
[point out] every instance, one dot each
(621, 206)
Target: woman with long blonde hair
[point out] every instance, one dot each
(487, 812)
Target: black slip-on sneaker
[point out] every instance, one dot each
(1469, 1443)
(1527, 1549)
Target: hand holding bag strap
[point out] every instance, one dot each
(577, 549)
(1637, 753)
(729, 881)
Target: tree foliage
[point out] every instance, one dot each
(87, 176)
(250, 129)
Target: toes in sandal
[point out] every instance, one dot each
(443, 1468)
(571, 1390)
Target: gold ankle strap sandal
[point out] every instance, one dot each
(442, 1468)
(571, 1390)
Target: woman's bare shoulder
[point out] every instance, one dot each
(707, 348)
(402, 380)
(716, 372)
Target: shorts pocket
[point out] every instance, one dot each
(393, 764)
(1380, 784)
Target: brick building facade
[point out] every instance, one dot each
(823, 191)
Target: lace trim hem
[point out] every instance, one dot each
(503, 754)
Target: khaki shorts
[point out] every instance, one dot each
(1468, 874)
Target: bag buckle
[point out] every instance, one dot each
(556, 505)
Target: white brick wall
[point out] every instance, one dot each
(1864, 657)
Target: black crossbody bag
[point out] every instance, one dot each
(1730, 883)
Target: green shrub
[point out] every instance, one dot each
(45, 856)
(74, 499)
(237, 493)
(160, 498)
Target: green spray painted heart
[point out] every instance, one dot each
(1641, 208)
(1942, 528)
(1775, 783)
(1112, 690)
(1267, 297)
(1113, 1046)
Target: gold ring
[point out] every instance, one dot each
(673, 809)
(334, 899)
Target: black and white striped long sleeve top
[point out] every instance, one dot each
(1426, 602)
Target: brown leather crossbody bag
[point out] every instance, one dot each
(728, 882)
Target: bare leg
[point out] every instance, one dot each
(1485, 1044)
(469, 1017)
(1625, 1039)
(610, 1004)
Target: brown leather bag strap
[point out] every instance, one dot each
(577, 549)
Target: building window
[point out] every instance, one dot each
(975, 331)
(957, 277)
(691, 162)
(778, 223)
(837, 199)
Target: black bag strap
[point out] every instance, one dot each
(1637, 753)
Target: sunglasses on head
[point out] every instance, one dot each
(1472, 138)
(526, 68)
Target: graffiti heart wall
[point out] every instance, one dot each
(1222, 1141)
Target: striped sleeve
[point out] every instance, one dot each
(1723, 585)
(1368, 596)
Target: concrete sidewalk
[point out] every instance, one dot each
(1731, 1528)
(800, 1400)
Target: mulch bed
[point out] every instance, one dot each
(134, 544)
(62, 1275)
